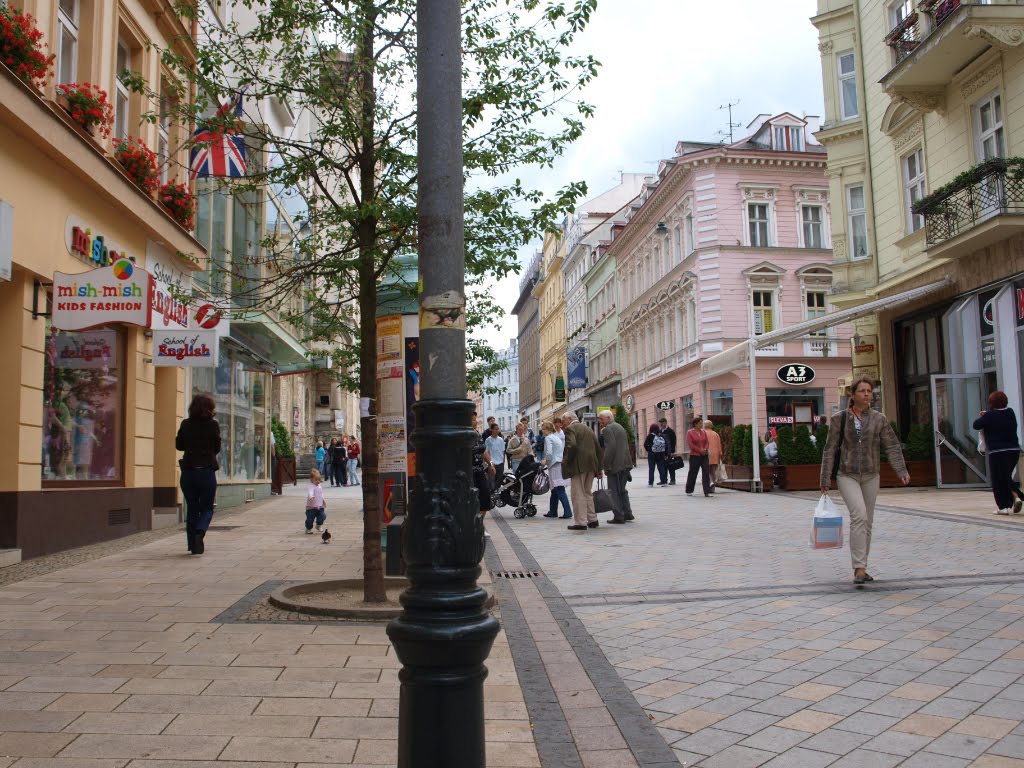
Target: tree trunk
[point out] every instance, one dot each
(373, 570)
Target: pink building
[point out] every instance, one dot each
(730, 242)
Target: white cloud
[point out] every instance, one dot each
(667, 65)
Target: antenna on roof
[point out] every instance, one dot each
(729, 105)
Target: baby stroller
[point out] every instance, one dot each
(517, 489)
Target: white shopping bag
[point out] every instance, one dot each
(827, 525)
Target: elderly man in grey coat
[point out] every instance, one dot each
(617, 464)
(581, 464)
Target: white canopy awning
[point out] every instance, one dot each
(738, 356)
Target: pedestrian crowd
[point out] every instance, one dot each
(339, 461)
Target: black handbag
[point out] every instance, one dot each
(839, 446)
(675, 461)
(603, 499)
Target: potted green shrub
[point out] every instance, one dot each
(800, 459)
(919, 455)
(284, 457)
(741, 471)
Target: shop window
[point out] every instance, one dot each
(68, 17)
(721, 404)
(83, 406)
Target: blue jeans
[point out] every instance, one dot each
(558, 494)
(200, 489)
(353, 478)
(318, 514)
(656, 460)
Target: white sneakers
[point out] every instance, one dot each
(319, 528)
(309, 530)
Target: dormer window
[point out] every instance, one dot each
(788, 138)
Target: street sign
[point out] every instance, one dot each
(795, 373)
(666, 405)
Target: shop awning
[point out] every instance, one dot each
(738, 356)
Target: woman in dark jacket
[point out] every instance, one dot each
(655, 446)
(999, 426)
(199, 437)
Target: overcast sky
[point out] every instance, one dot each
(667, 67)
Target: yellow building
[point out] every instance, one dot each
(89, 421)
(550, 293)
(924, 117)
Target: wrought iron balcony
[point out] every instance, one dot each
(979, 207)
(904, 37)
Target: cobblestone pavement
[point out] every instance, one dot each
(114, 656)
(746, 648)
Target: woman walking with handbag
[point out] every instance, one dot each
(852, 456)
(697, 441)
(999, 427)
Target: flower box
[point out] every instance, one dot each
(88, 106)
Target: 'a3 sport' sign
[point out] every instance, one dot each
(796, 373)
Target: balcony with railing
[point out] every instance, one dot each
(931, 46)
(980, 207)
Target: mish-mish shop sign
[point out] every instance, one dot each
(188, 349)
(116, 294)
(88, 350)
(92, 246)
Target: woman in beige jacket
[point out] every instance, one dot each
(863, 431)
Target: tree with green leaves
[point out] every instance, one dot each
(348, 66)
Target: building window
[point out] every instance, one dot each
(848, 107)
(83, 402)
(815, 307)
(779, 137)
(764, 312)
(913, 187)
(163, 137)
(813, 226)
(899, 12)
(67, 40)
(121, 95)
(988, 128)
(677, 244)
(857, 221)
(757, 220)
(691, 238)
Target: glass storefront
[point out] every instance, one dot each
(721, 407)
(240, 391)
(83, 406)
(794, 406)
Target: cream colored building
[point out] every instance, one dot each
(550, 293)
(89, 421)
(917, 94)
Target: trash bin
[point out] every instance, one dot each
(393, 564)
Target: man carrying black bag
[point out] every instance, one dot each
(616, 466)
(670, 449)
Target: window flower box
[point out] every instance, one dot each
(22, 48)
(139, 162)
(88, 106)
(179, 202)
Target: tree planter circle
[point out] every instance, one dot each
(342, 599)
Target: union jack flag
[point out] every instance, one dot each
(219, 149)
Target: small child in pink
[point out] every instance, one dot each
(315, 505)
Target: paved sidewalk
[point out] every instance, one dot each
(747, 649)
(134, 659)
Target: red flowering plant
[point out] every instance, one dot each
(88, 106)
(179, 202)
(139, 162)
(21, 48)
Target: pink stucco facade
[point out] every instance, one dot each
(729, 242)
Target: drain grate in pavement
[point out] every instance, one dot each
(515, 574)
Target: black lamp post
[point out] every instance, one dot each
(444, 633)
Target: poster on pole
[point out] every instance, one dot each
(389, 347)
(391, 453)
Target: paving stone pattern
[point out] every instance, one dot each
(747, 649)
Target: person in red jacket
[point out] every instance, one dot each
(697, 440)
(353, 460)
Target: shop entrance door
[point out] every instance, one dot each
(956, 402)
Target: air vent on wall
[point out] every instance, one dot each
(119, 517)
(250, 495)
